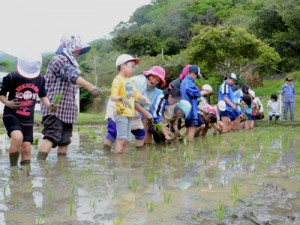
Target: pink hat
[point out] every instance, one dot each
(158, 72)
(184, 72)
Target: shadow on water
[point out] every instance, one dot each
(247, 177)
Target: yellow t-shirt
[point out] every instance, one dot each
(124, 87)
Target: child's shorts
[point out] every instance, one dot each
(112, 132)
(11, 123)
(201, 120)
(123, 125)
(191, 123)
(56, 131)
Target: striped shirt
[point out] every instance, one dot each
(61, 79)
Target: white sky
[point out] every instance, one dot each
(39, 24)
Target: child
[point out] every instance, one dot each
(274, 107)
(191, 94)
(206, 115)
(246, 107)
(124, 93)
(218, 126)
(171, 115)
(205, 91)
(254, 107)
(161, 103)
(147, 84)
(23, 87)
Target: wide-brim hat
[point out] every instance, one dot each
(207, 87)
(124, 58)
(73, 43)
(184, 72)
(29, 64)
(252, 93)
(157, 71)
(185, 106)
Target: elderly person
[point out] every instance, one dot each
(62, 78)
(288, 94)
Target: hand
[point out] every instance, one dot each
(14, 104)
(125, 102)
(150, 121)
(53, 107)
(234, 108)
(95, 91)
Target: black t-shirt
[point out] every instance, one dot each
(25, 90)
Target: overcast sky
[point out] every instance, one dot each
(39, 24)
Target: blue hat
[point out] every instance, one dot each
(195, 69)
(185, 106)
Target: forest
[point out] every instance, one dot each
(252, 38)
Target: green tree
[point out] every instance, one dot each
(227, 48)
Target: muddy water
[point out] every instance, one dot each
(247, 177)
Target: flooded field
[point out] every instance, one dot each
(246, 177)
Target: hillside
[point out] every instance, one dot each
(5, 56)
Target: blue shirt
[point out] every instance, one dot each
(158, 107)
(288, 93)
(190, 93)
(226, 91)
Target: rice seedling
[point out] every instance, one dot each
(5, 188)
(40, 219)
(119, 220)
(198, 180)
(35, 142)
(49, 193)
(150, 175)
(221, 211)
(167, 197)
(72, 199)
(134, 184)
(17, 202)
(234, 193)
(93, 202)
(115, 193)
(150, 205)
(114, 174)
(57, 98)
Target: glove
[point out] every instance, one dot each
(14, 104)
(125, 102)
(95, 92)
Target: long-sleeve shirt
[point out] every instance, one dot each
(273, 106)
(158, 107)
(288, 93)
(61, 79)
(190, 93)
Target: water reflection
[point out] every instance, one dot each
(91, 186)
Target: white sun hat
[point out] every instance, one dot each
(207, 87)
(222, 105)
(252, 93)
(124, 58)
(29, 64)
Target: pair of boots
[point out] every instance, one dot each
(14, 157)
(276, 118)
